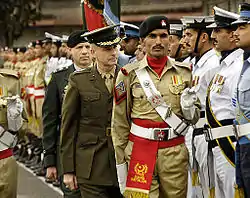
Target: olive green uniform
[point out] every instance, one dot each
(86, 145)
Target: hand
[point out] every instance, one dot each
(188, 98)
(122, 172)
(51, 173)
(70, 181)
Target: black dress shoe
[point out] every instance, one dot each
(56, 183)
(49, 180)
(40, 173)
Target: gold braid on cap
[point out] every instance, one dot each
(107, 43)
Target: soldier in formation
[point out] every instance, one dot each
(173, 122)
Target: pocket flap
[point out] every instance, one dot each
(87, 140)
(91, 96)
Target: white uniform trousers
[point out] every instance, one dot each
(224, 175)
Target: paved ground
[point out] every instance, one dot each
(30, 186)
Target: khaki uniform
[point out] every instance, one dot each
(39, 92)
(28, 84)
(171, 166)
(9, 86)
(7, 64)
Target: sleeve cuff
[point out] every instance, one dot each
(49, 161)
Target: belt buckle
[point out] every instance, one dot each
(108, 131)
(207, 133)
(161, 134)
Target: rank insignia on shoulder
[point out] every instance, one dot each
(124, 71)
(120, 92)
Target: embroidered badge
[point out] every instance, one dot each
(146, 84)
(120, 92)
(163, 23)
(140, 171)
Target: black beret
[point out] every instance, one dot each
(152, 23)
(15, 49)
(75, 38)
(22, 49)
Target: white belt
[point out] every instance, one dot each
(225, 131)
(159, 134)
(30, 90)
(201, 122)
(39, 92)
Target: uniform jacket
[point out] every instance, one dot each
(86, 147)
(131, 101)
(52, 114)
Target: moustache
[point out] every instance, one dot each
(158, 47)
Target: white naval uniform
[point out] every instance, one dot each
(51, 66)
(205, 69)
(221, 105)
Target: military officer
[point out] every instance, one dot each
(175, 47)
(197, 39)
(130, 40)
(140, 53)
(219, 110)
(52, 108)
(241, 101)
(10, 122)
(20, 58)
(150, 118)
(87, 152)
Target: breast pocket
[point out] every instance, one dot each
(244, 92)
(91, 104)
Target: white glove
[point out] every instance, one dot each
(14, 113)
(122, 172)
(188, 99)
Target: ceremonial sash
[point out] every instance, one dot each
(143, 159)
(158, 103)
(226, 144)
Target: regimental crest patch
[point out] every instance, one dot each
(120, 92)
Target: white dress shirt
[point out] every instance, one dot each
(222, 90)
(203, 72)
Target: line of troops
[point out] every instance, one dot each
(159, 110)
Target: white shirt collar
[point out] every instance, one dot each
(205, 56)
(77, 68)
(231, 57)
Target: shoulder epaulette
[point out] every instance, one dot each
(129, 67)
(181, 64)
(9, 72)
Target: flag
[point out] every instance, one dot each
(100, 13)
